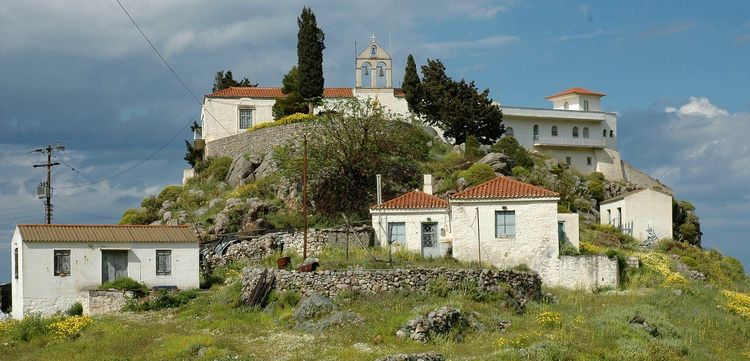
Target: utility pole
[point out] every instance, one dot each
(45, 188)
(304, 200)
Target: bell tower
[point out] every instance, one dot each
(374, 67)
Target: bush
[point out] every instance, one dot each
(438, 287)
(162, 300)
(169, 193)
(477, 173)
(124, 284)
(471, 148)
(31, 326)
(76, 309)
(137, 216)
(218, 168)
(520, 171)
(581, 205)
(289, 119)
(515, 151)
(688, 232)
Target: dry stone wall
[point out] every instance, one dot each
(330, 283)
(257, 142)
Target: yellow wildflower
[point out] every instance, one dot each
(737, 302)
(70, 327)
(549, 319)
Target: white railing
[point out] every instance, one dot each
(569, 142)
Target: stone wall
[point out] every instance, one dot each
(330, 283)
(587, 272)
(258, 142)
(99, 302)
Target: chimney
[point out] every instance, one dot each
(427, 187)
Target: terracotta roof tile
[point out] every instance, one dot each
(273, 92)
(504, 187)
(399, 93)
(105, 233)
(576, 90)
(413, 200)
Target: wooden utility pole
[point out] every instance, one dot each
(45, 188)
(304, 199)
(479, 240)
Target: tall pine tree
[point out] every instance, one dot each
(310, 57)
(224, 80)
(458, 107)
(411, 85)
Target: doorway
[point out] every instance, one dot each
(430, 247)
(114, 265)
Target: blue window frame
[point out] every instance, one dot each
(505, 224)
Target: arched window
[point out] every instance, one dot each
(585, 105)
(554, 130)
(366, 78)
(381, 76)
(373, 50)
(536, 132)
(611, 133)
(565, 105)
(575, 132)
(604, 133)
(509, 131)
(585, 132)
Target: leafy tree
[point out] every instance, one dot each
(293, 102)
(347, 147)
(478, 173)
(458, 107)
(515, 151)
(193, 155)
(411, 85)
(224, 80)
(310, 56)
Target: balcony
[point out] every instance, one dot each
(569, 142)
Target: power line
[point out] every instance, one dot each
(73, 169)
(167, 64)
(46, 187)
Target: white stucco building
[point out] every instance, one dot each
(645, 214)
(53, 266)
(417, 221)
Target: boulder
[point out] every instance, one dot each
(439, 322)
(461, 184)
(167, 216)
(266, 167)
(214, 202)
(500, 162)
(313, 307)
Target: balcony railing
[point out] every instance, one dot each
(569, 142)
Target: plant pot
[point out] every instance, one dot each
(283, 262)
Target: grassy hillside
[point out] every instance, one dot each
(695, 320)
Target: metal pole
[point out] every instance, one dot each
(304, 199)
(479, 240)
(48, 202)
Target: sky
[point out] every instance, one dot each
(79, 73)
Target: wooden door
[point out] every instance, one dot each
(114, 265)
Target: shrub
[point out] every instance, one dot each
(596, 189)
(124, 283)
(520, 171)
(471, 148)
(289, 119)
(737, 302)
(76, 309)
(675, 280)
(477, 173)
(31, 326)
(169, 193)
(581, 205)
(439, 287)
(521, 268)
(163, 299)
(515, 151)
(688, 232)
(137, 216)
(218, 168)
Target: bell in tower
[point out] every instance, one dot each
(374, 67)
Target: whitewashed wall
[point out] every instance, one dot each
(413, 222)
(535, 239)
(641, 210)
(571, 227)
(39, 290)
(221, 116)
(579, 272)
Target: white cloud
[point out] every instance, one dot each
(582, 36)
(493, 41)
(698, 106)
(667, 29)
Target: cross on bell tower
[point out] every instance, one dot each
(374, 67)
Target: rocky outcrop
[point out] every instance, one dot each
(442, 321)
(499, 162)
(252, 167)
(317, 313)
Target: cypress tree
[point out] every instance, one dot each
(310, 56)
(411, 85)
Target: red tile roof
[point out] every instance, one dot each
(399, 93)
(273, 92)
(413, 200)
(504, 187)
(576, 90)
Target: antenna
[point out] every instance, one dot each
(44, 190)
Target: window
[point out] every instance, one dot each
(397, 232)
(609, 216)
(575, 132)
(568, 161)
(585, 105)
(554, 130)
(163, 262)
(588, 160)
(509, 131)
(611, 133)
(373, 50)
(619, 217)
(505, 224)
(15, 265)
(566, 105)
(246, 118)
(536, 132)
(585, 132)
(604, 133)
(62, 263)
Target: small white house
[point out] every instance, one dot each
(418, 221)
(53, 266)
(645, 214)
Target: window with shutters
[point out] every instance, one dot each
(62, 263)
(163, 262)
(505, 224)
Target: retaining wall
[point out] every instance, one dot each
(258, 142)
